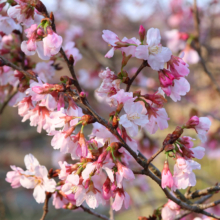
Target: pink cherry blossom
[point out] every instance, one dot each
(170, 210)
(70, 49)
(167, 178)
(110, 85)
(120, 197)
(190, 55)
(133, 117)
(177, 67)
(39, 116)
(25, 105)
(52, 43)
(180, 88)
(198, 152)
(175, 41)
(202, 128)
(71, 182)
(92, 197)
(123, 172)
(90, 167)
(39, 50)
(23, 13)
(45, 71)
(120, 97)
(39, 182)
(13, 177)
(8, 25)
(157, 121)
(110, 37)
(60, 141)
(41, 92)
(183, 175)
(153, 52)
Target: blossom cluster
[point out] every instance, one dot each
(100, 165)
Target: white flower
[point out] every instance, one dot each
(153, 52)
(133, 117)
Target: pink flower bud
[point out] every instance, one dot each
(142, 33)
(167, 178)
(40, 32)
(107, 189)
(166, 78)
(87, 183)
(102, 156)
(113, 187)
(38, 89)
(82, 94)
(193, 121)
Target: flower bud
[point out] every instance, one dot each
(102, 157)
(82, 94)
(193, 121)
(115, 121)
(167, 178)
(87, 183)
(166, 78)
(87, 119)
(142, 33)
(125, 59)
(40, 32)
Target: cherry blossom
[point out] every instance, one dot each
(8, 25)
(52, 43)
(167, 178)
(133, 117)
(153, 52)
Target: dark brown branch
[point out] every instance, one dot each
(45, 207)
(200, 201)
(198, 208)
(144, 64)
(198, 46)
(8, 63)
(7, 101)
(141, 160)
(203, 192)
(94, 213)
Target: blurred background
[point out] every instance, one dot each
(83, 22)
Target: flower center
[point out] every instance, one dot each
(155, 49)
(133, 116)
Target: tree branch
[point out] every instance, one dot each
(94, 213)
(45, 207)
(198, 46)
(203, 192)
(8, 63)
(144, 64)
(7, 101)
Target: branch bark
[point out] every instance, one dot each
(45, 207)
(6, 62)
(198, 46)
(203, 192)
(94, 213)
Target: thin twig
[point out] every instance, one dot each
(94, 213)
(180, 216)
(7, 101)
(111, 211)
(144, 64)
(203, 192)
(141, 160)
(198, 46)
(8, 63)
(45, 207)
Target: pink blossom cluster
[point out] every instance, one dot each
(35, 177)
(100, 164)
(184, 152)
